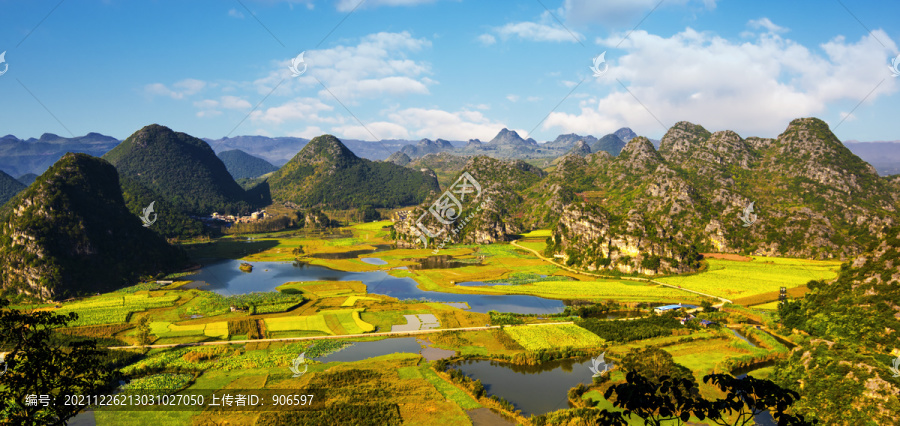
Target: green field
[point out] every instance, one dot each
(734, 279)
(536, 337)
(623, 291)
(113, 308)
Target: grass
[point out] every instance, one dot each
(326, 288)
(538, 233)
(300, 323)
(349, 320)
(623, 291)
(733, 279)
(452, 393)
(351, 300)
(113, 308)
(536, 337)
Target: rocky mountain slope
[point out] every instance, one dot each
(70, 233)
(842, 365)
(650, 211)
(325, 172)
(181, 168)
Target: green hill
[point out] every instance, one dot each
(842, 364)
(69, 233)
(326, 173)
(170, 222)
(181, 168)
(242, 165)
(9, 187)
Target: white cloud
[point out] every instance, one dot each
(436, 123)
(234, 13)
(179, 90)
(533, 98)
(234, 102)
(487, 39)
(767, 24)
(754, 88)
(379, 130)
(512, 98)
(617, 13)
(302, 109)
(534, 31)
(377, 66)
(212, 108)
(309, 132)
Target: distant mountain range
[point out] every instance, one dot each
(20, 157)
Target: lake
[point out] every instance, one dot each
(534, 389)
(224, 277)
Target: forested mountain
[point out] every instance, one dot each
(242, 165)
(27, 178)
(609, 143)
(842, 367)
(811, 198)
(70, 233)
(35, 155)
(398, 158)
(171, 222)
(9, 187)
(326, 173)
(180, 168)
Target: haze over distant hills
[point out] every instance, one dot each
(242, 165)
(18, 156)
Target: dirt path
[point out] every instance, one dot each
(342, 336)
(535, 252)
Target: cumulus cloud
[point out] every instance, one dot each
(303, 109)
(377, 66)
(178, 90)
(534, 31)
(749, 87)
(234, 13)
(487, 39)
(436, 123)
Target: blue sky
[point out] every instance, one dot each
(455, 69)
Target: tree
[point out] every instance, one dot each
(39, 364)
(662, 400)
(747, 397)
(675, 400)
(144, 330)
(654, 363)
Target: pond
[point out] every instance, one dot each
(439, 262)
(373, 261)
(225, 278)
(534, 389)
(359, 351)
